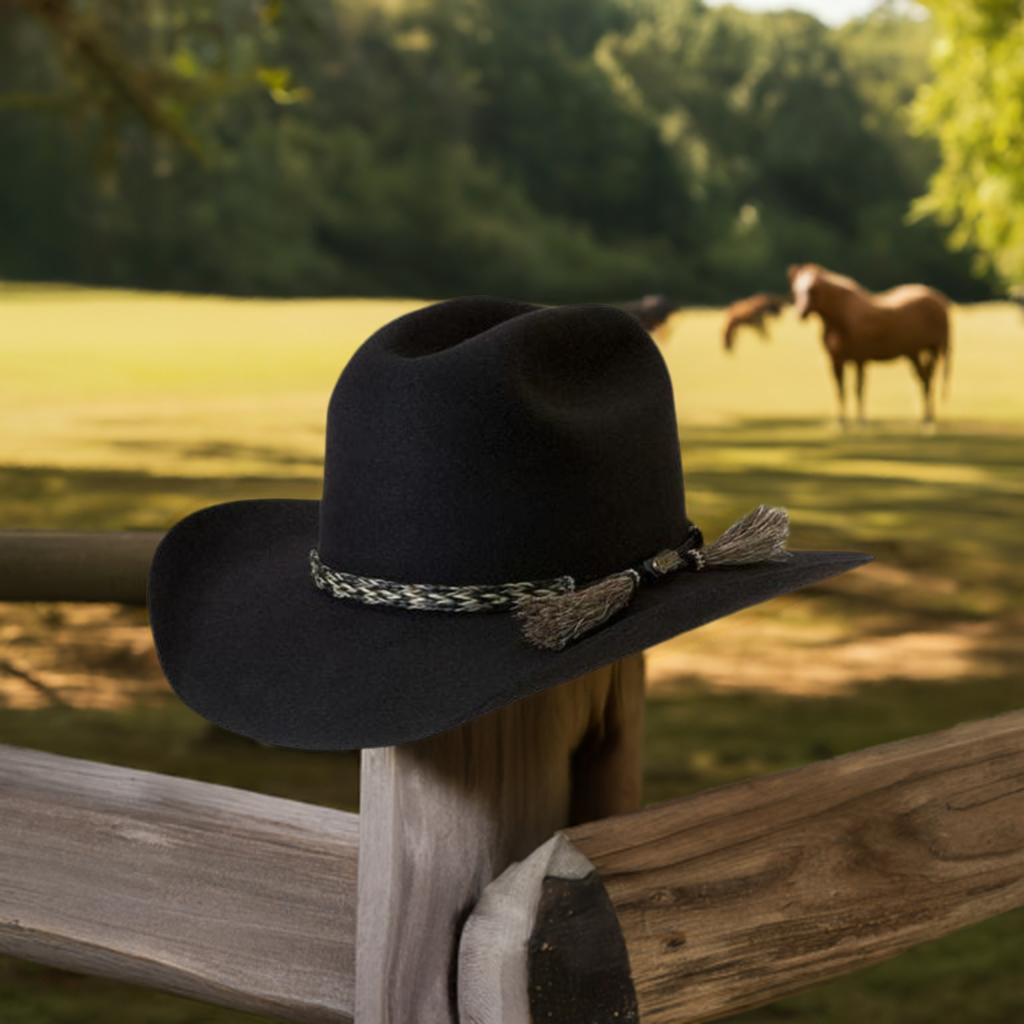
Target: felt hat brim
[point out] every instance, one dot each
(249, 643)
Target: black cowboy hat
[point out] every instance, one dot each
(486, 460)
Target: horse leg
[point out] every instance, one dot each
(860, 392)
(838, 366)
(924, 364)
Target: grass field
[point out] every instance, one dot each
(205, 387)
(122, 410)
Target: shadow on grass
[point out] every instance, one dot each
(55, 498)
(698, 738)
(224, 451)
(949, 504)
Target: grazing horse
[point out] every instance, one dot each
(751, 312)
(651, 311)
(911, 320)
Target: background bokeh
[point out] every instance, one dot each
(555, 150)
(206, 207)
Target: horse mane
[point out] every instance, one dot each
(841, 280)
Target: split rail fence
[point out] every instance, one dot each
(500, 873)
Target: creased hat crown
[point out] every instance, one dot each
(487, 441)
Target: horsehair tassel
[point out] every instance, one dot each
(760, 536)
(552, 622)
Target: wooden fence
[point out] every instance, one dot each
(464, 905)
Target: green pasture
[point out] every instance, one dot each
(124, 410)
(211, 387)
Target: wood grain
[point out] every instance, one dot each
(67, 565)
(442, 817)
(222, 895)
(736, 897)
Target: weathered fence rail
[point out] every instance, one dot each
(215, 893)
(727, 900)
(736, 897)
(66, 565)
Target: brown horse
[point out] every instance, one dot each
(911, 320)
(751, 312)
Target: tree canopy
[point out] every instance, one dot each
(975, 108)
(554, 150)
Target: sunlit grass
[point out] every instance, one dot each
(169, 384)
(209, 386)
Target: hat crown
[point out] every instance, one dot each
(487, 441)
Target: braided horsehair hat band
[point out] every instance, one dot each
(554, 612)
(469, 444)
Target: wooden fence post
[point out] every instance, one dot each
(732, 898)
(441, 818)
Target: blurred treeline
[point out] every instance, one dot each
(556, 150)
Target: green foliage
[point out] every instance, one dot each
(163, 63)
(792, 136)
(975, 109)
(557, 150)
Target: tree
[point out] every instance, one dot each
(557, 150)
(162, 64)
(790, 135)
(975, 109)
